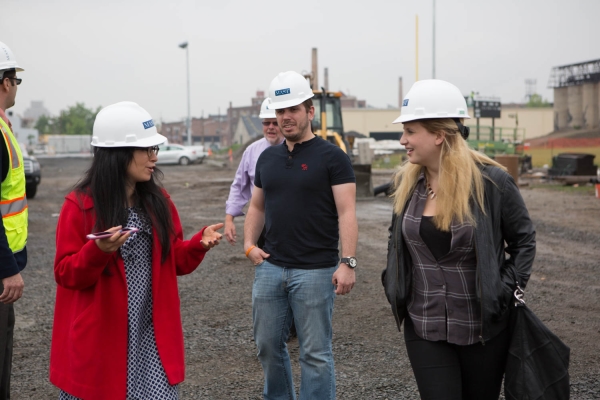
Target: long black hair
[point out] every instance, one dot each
(106, 181)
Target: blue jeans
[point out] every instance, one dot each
(306, 296)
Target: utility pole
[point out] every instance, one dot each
(184, 45)
(417, 48)
(433, 58)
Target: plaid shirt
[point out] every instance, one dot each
(443, 303)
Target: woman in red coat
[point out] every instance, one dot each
(117, 326)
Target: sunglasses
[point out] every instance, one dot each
(18, 80)
(267, 123)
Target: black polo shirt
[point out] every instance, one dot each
(301, 219)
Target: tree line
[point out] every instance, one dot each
(75, 120)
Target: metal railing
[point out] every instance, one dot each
(497, 134)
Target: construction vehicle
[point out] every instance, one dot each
(328, 124)
(328, 118)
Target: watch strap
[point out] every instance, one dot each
(349, 261)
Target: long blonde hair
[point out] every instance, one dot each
(459, 180)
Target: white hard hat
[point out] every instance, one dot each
(432, 98)
(7, 59)
(289, 89)
(125, 124)
(265, 111)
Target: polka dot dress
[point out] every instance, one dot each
(146, 378)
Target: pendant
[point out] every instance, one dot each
(430, 191)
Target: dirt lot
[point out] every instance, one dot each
(370, 357)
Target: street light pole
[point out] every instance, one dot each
(433, 69)
(184, 45)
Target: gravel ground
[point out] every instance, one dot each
(371, 361)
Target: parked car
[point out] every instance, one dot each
(33, 172)
(176, 154)
(200, 153)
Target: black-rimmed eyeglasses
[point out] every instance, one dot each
(152, 150)
(267, 123)
(18, 80)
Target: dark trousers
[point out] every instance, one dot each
(446, 371)
(7, 326)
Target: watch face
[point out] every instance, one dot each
(352, 262)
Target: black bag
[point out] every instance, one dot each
(537, 366)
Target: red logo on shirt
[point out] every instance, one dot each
(304, 167)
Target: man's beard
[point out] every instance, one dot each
(295, 137)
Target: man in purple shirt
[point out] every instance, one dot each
(241, 188)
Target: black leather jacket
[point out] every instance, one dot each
(504, 229)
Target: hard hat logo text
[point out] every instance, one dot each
(281, 92)
(148, 124)
(405, 103)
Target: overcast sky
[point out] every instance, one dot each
(107, 51)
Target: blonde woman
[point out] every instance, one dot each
(457, 215)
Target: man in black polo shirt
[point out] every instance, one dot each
(304, 194)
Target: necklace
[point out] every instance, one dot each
(430, 191)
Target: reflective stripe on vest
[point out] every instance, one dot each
(12, 207)
(13, 201)
(14, 158)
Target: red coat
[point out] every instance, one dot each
(88, 356)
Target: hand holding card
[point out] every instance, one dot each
(106, 234)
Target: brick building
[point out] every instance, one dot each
(210, 130)
(217, 130)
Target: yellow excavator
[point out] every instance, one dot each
(328, 118)
(328, 125)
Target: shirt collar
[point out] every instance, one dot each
(299, 146)
(5, 118)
